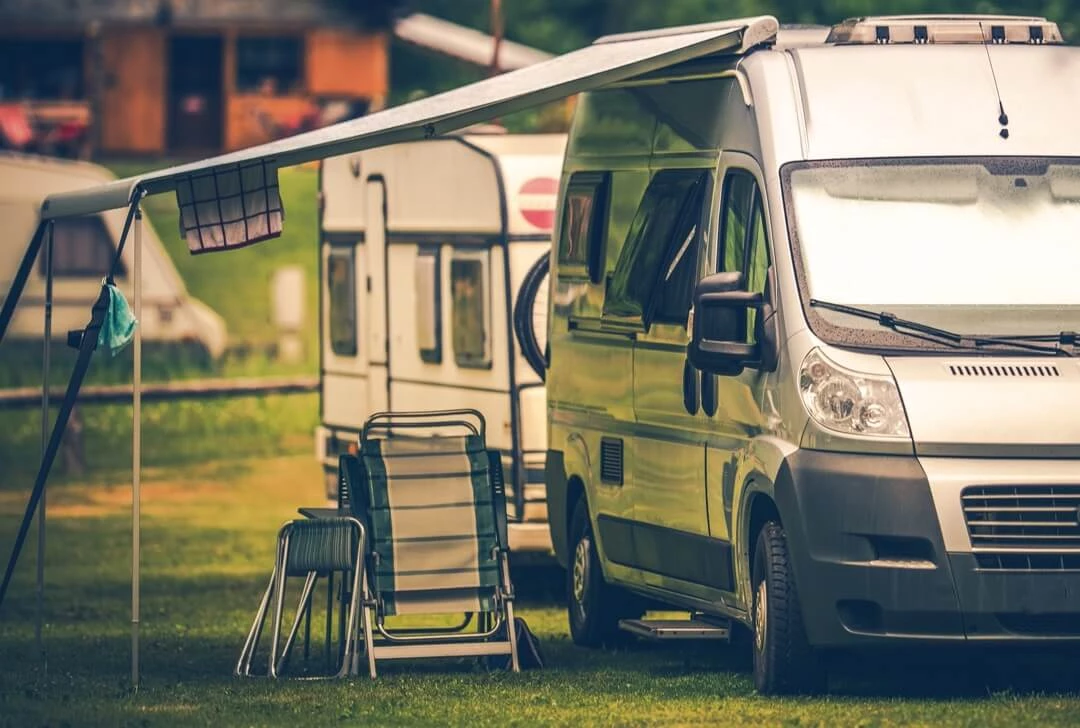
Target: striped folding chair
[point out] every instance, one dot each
(432, 497)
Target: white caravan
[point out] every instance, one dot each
(83, 250)
(424, 246)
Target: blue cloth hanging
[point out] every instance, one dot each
(119, 327)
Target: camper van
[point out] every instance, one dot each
(424, 247)
(83, 249)
(812, 373)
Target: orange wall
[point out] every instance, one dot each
(347, 64)
(133, 103)
(250, 119)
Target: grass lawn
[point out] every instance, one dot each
(208, 539)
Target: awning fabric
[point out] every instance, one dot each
(245, 208)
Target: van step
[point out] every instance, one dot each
(698, 627)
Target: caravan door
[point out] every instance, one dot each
(375, 316)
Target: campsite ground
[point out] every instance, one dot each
(208, 542)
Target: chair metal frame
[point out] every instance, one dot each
(275, 594)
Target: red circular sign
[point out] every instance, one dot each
(537, 201)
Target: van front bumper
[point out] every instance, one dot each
(871, 565)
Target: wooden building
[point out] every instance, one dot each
(183, 77)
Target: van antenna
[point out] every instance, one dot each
(1003, 119)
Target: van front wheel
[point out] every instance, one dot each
(594, 607)
(784, 661)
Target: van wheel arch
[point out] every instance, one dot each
(575, 491)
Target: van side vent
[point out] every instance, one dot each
(1003, 371)
(611, 461)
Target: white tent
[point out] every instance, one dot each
(231, 200)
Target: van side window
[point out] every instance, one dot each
(745, 245)
(428, 305)
(468, 276)
(656, 268)
(582, 233)
(740, 189)
(341, 285)
(82, 247)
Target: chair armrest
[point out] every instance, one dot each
(498, 497)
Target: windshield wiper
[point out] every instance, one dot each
(1063, 342)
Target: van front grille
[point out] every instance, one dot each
(1026, 527)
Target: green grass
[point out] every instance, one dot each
(208, 540)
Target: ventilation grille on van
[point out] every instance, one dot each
(1025, 527)
(611, 461)
(979, 370)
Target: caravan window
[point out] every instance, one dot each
(428, 308)
(582, 233)
(82, 247)
(468, 276)
(657, 266)
(341, 285)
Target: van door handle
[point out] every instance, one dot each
(710, 400)
(691, 387)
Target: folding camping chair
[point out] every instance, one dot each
(311, 549)
(435, 512)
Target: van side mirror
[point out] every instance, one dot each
(718, 341)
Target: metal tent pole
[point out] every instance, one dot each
(136, 451)
(47, 251)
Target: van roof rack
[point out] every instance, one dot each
(921, 29)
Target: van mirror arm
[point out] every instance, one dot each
(718, 327)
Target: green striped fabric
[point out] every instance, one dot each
(321, 545)
(432, 524)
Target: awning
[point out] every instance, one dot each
(233, 209)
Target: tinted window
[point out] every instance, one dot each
(739, 191)
(82, 247)
(467, 276)
(660, 250)
(745, 246)
(428, 309)
(270, 65)
(341, 283)
(582, 231)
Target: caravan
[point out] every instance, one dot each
(83, 249)
(424, 247)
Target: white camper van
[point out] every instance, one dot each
(812, 367)
(83, 250)
(424, 247)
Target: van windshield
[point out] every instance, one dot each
(976, 246)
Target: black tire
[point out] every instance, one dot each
(784, 661)
(524, 330)
(593, 606)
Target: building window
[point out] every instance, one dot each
(82, 247)
(468, 275)
(428, 306)
(41, 68)
(341, 284)
(270, 65)
(582, 233)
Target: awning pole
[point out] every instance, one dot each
(45, 370)
(136, 450)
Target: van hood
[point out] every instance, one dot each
(991, 406)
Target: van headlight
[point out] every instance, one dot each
(851, 402)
